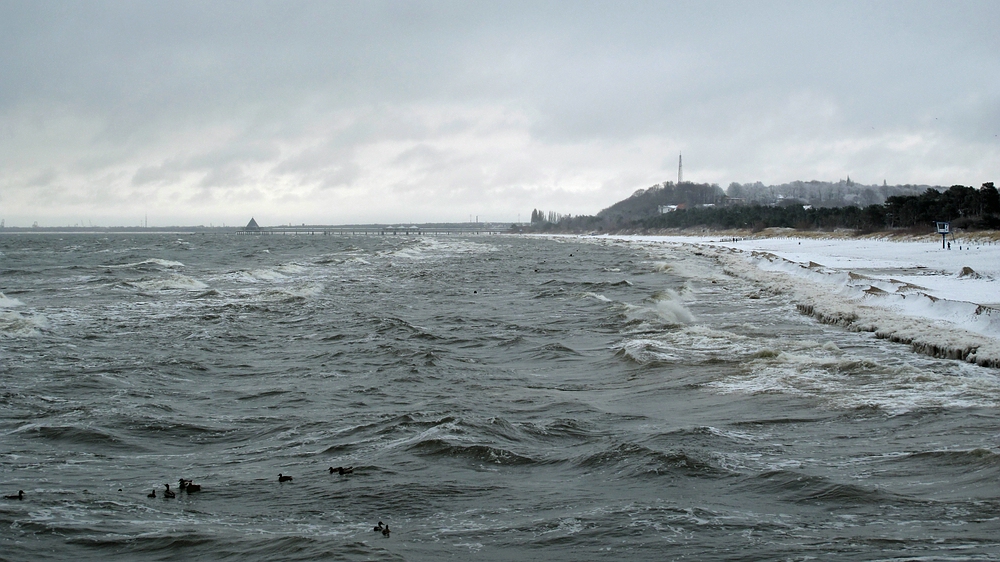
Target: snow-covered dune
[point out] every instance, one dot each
(943, 302)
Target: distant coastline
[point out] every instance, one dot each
(386, 229)
(902, 234)
(117, 229)
(690, 207)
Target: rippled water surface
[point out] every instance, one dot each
(499, 398)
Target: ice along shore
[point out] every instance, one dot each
(942, 302)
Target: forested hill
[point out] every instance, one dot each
(965, 207)
(704, 205)
(645, 203)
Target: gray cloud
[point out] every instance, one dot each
(437, 110)
(166, 172)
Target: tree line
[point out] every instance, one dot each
(965, 207)
(843, 193)
(543, 217)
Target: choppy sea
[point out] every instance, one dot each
(498, 397)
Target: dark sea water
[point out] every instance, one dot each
(500, 398)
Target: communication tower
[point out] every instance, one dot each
(680, 168)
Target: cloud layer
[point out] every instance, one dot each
(323, 112)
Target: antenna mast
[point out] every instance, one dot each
(680, 168)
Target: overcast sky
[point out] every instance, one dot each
(351, 112)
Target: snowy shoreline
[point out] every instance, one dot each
(944, 303)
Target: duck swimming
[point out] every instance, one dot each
(168, 493)
(189, 486)
(378, 528)
(18, 496)
(151, 494)
(283, 478)
(385, 532)
(342, 470)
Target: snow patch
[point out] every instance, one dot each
(944, 303)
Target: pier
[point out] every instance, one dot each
(377, 230)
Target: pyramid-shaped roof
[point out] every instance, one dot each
(252, 225)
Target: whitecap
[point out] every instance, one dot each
(172, 282)
(152, 261)
(645, 350)
(843, 381)
(15, 324)
(7, 302)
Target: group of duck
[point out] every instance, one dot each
(190, 487)
(185, 486)
(342, 470)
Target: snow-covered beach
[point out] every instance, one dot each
(942, 302)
